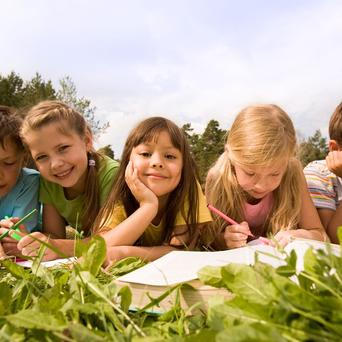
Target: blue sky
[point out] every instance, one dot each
(191, 61)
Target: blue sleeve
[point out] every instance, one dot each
(26, 201)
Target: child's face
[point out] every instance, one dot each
(258, 181)
(11, 162)
(60, 158)
(159, 164)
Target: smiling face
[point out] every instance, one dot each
(11, 162)
(159, 164)
(258, 181)
(61, 158)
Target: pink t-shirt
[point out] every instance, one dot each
(256, 214)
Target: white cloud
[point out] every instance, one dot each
(190, 61)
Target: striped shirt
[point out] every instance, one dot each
(324, 186)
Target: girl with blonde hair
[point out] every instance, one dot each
(259, 182)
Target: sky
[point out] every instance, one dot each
(188, 60)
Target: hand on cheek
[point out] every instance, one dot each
(139, 190)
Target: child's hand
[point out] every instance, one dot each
(8, 243)
(334, 162)
(114, 254)
(2, 252)
(30, 247)
(236, 235)
(284, 237)
(139, 190)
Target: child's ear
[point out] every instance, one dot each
(88, 140)
(334, 146)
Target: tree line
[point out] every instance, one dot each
(206, 147)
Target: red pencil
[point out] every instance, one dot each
(224, 216)
(220, 213)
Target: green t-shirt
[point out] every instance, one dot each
(52, 193)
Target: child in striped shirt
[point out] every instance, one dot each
(324, 179)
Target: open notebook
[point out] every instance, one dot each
(181, 266)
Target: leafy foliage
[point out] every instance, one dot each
(68, 94)
(313, 148)
(206, 147)
(107, 150)
(20, 94)
(82, 303)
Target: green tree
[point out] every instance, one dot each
(206, 147)
(16, 93)
(11, 90)
(68, 94)
(211, 146)
(314, 148)
(107, 150)
(37, 90)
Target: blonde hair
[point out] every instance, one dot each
(47, 112)
(259, 136)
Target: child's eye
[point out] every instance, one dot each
(10, 163)
(40, 158)
(145, 154)
(63, 148)
(275, 174)
(170, 156)
(250, 174)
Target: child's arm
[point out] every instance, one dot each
(331, 220)
(310, 226)
(129, 231)
(53, 222)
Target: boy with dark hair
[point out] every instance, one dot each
(324, 179)
(19, 186)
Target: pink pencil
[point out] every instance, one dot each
(225, 217)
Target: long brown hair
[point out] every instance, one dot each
(47, 112)
(260, 135)
(185, 192)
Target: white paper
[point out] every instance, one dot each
(51, 263)
(182, 266)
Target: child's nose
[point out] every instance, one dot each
(56, 163)
(261, 185)
(157, 162)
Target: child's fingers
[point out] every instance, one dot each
(16, 234)
(10, 248)
(23, 229)
(234, 236)
(26, 240)
(2, 252)
(6, 223)
(283, 238)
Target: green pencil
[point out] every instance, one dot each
(16, 226)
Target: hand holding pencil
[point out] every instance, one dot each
(11, 231)
(235, 234)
